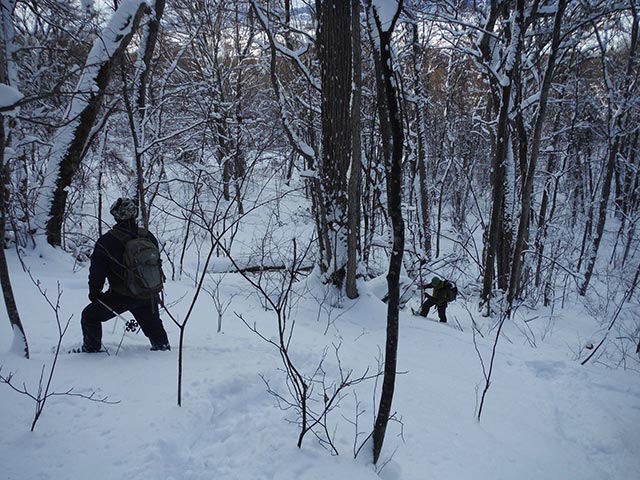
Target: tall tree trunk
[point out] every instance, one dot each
(527, 190)
(334, 51)
(618, 121)
(20, 338)
(390, 110)
(239, 159)
(603, 205)
(547, 206)
(144, 67)
(498, 193)
(71, 140)
(355, 177)
(421, 134)
(498, 241)
(6, 54)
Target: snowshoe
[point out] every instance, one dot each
(84, 349)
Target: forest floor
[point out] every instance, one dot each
(545, 416)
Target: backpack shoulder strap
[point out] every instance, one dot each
(124, 236)
(119, 234)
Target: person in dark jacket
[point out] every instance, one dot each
(107, 264)
(438, 299)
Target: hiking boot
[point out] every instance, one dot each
(161, 348)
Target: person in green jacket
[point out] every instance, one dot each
(438, 299)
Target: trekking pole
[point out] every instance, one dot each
(112, 310)
(129, 325)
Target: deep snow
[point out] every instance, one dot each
(546, 416)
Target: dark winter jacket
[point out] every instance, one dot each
(439, 295)
(107, 259)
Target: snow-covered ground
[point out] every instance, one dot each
(546, 416)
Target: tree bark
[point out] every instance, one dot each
(6, 27)
(618, 122)
(20, 337)
(527, 190)
(498, 238)
(334, 52)
(143, 73)
(83, 112)
(389, 110)
(421, 126)
(355, 177)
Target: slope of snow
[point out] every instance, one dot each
(546, 416)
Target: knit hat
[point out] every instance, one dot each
(124, 209)
(435, 281)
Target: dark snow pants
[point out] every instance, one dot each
(442, 309)
(145, 312)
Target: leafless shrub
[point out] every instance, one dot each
(44, 391)
(311, 395)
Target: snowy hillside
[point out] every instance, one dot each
(546, 416)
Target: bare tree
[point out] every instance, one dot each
(302, 140)
(6, 64)
(498, 237)
(45, 388)
(619, 121)
(20, 337)
(71, 142)
(137, 110)
(534, 152)
(312, 395)
(334, 51)
(421, 159)
(355, 176)
(388, 109)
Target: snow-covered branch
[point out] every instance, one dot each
(80, 116)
